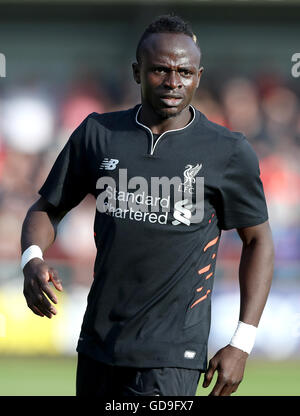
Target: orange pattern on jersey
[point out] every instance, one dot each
(211, 243)
(208, 276)
(204, 269)
(201, 299)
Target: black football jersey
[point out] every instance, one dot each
(150, 301)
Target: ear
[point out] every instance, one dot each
(136, 72)
(200, 71)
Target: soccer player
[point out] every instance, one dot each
(147, 322)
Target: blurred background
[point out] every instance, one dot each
(66, 59)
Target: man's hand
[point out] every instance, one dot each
(38, 275)
(230, 364)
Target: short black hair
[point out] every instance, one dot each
(168, 23)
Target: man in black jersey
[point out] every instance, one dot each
(146, 326)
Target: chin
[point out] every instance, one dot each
(168, 112)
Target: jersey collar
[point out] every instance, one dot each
(177, 131)
(167, 131)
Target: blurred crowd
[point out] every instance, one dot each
(35, 123)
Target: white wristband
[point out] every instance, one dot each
(244, 337)
(30, 253)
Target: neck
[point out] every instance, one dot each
(159, 125)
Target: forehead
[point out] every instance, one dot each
(170, 47)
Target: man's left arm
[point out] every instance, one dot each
(255, 277)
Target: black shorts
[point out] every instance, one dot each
(98, 379)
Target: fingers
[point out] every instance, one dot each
(36, 310)
(220, 383)
(39, 300)
(228, 389)
(54, 278)
(224, 389)
(224, 386)
(36, 286)
(209, 373)
(44, 285)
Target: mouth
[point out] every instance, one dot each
(171, 100)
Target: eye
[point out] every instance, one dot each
(159, 70)
(185, 72)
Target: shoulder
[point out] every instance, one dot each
(219, 132)
(114, 120)
(97, 125)
(229, 146)
(101, 125)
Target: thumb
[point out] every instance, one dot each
(54, 278)
(209, 374)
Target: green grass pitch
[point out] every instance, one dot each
(56, 377)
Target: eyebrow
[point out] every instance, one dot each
(183, 66)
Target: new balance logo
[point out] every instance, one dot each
(109, 164)
(183, 212)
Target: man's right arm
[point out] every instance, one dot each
(39, 228)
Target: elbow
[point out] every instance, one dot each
(259, 238)
(262, 243)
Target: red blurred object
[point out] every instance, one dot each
(77, 108)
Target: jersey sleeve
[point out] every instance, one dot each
(242, 196)
(68, 181)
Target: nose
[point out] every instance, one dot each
(173, 80)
